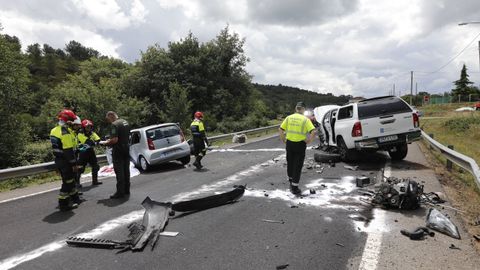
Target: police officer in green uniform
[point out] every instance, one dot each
(296, 131)
(119, 135)
(199, 139)
(64, 144)
(88, 139)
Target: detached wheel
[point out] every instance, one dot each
(399, 152)
(185, 160)
(325, 157)
(144, 166)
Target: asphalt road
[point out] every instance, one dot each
(331, 229)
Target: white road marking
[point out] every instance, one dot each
(127, 219)
(373, 245)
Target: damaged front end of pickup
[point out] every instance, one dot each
(155, 219)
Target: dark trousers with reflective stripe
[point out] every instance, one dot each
(295, 159)
(68, 192)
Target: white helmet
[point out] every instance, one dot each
(77, 121)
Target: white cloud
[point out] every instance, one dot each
(55, 33)
(359, 47)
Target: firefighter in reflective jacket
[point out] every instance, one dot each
(296, 131)
(199, 139)
(63, 145)
(88, 139)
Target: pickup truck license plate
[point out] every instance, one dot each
(388, 138)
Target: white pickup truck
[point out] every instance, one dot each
(383, 123)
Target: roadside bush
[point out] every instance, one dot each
(37, 152)
(461, 124)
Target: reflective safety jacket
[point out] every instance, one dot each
(197, 128)
(64, 143)
(297, 126)
(90, 139)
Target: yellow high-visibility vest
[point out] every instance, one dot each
(297, 126)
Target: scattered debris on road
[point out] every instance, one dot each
(155, 219)
(283, 266)
(312, 191)
(452, 246)
(418, 234)
(338, 244)
(273, 221)
(352, 168)
(399, 193)
(363, 181)
(439, 222)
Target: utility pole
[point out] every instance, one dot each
(416, 91)
(411, 87)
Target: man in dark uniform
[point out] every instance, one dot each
(199, 139)
(296, 131)
(119, 135)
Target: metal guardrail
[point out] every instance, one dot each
(50, 166)
(460, 159)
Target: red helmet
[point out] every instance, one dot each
(66, 115)
(198, 115)
(86, 123)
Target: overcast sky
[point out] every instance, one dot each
(357, 47)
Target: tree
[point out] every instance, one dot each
(177, 105)
(13, 100)
(462, 85)
(80, 52)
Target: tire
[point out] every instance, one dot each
(143, 164)
(400, 153)
(185, 160)
(345, 153)
(325, 157)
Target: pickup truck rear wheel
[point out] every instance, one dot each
(345, 153)
(399, 153)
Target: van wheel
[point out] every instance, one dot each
(144, 166)
(345, 153)
(185, 160)
(400, 152)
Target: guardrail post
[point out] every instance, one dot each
(431, 136)
(449, 163)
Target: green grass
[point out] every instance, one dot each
(460, 129)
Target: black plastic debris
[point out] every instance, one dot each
(155, 219)
(439, 222)
(452, 246)
(283, 266)
(94, 243)
(312, 191)
(418, 234)
(363, 181)
(210, 201)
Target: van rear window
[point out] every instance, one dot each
(381, 107)
(163, 132)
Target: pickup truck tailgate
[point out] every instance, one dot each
(386, 125)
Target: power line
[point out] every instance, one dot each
(458, 54)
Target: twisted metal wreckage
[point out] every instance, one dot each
(155, 219)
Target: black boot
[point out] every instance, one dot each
(197, 163)
(66, 205)
(95, 181)
(295, 190)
